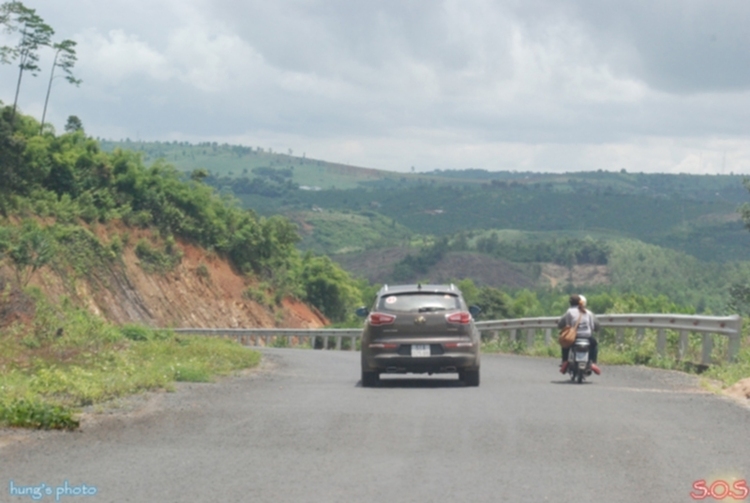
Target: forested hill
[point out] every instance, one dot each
(695, 214)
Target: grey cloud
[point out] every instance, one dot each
(676, 46)
(485, 73)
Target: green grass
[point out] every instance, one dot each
(730, 373)
(45, 384)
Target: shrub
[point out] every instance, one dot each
(257, 294)
(32, 413)
(135, 332)
(202, 271)
(154, 260)
(141, 333)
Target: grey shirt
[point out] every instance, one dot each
(586, 327)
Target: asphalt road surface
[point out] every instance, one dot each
(303, 430)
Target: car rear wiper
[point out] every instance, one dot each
(430, 309)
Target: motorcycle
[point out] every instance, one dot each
(579, 360)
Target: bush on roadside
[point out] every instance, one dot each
(37, 414)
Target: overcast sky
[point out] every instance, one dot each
(527, 85)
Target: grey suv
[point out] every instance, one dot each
(420, 329)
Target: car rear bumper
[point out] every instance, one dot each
(436, 364)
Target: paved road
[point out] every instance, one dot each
(303, 430)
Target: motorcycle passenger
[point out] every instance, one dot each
(586, 328)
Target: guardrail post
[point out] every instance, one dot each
(548, 337)
(256, 340)
(354, 344)
(708, 346)
(513, 335)
(735, 340)
(312, 341)
(734, 347)
(325, 342)
(530, 333)
(338, 343)
(661, 342)
(289, 341)
(619, 337)
(683, 347)
(639, 334)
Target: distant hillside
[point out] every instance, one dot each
(629, 267)
(708, 228)
(238, 161)
(235, 161)
(695, 214)
(334, 232)
(377, 266)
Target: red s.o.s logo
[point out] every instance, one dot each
(719, 490)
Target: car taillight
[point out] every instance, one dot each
(454, 345)
(462, 318)
(383, 345)
(376, 319)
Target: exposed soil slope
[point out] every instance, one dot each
(201, 291)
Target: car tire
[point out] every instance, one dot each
(470, 377)
(370, 379)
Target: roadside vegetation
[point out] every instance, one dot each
(57, 359)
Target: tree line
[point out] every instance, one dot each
(32, 35)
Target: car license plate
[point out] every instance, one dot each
(420, 350)
(582, 356)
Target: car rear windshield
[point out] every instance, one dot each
(419, 302)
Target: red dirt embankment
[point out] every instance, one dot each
(202, 291)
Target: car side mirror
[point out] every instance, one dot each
(475, 310)
(362, 312)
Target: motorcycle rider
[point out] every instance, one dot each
(586, 328)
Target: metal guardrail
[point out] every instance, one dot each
(728, 326)
(267, 335)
